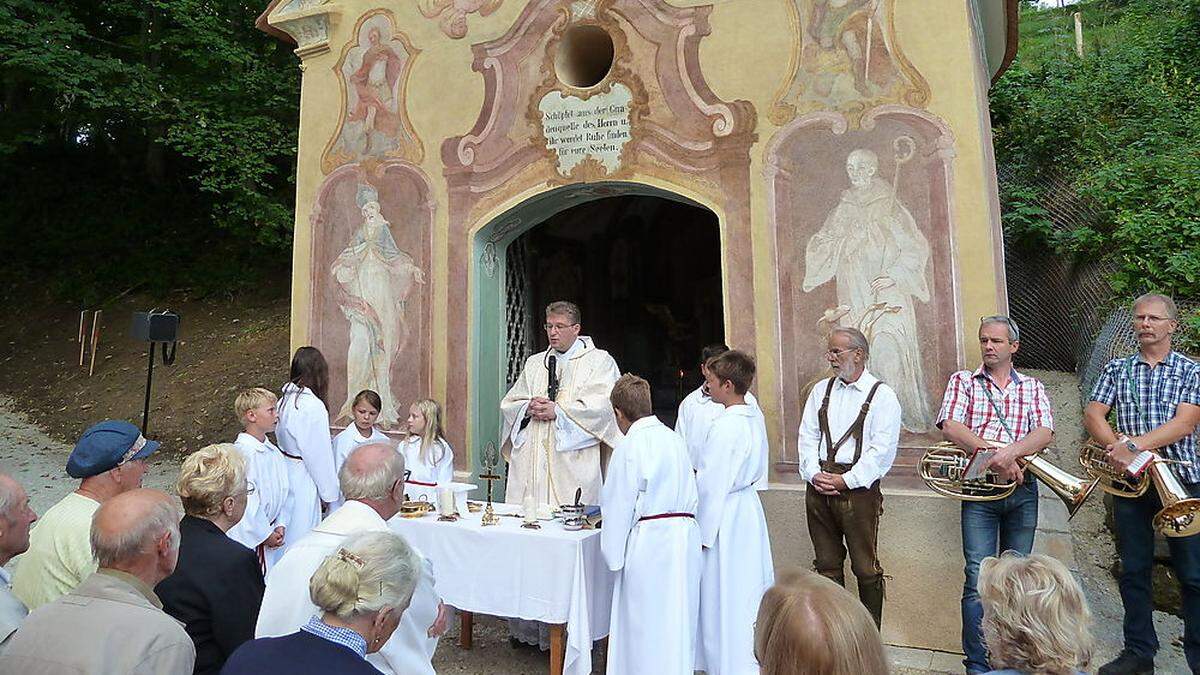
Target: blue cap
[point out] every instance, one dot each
(106, 445)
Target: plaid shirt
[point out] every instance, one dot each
(1023, 403)
(1145, 398)
(337, 635)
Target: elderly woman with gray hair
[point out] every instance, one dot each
(217, 587)
(361, 591)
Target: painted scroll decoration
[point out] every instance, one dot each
(847, 60)
(452, 14)
(373, 75)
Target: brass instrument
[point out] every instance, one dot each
(1094, 460)
(1180, 514)
(943, 465)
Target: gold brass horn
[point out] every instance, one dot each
(943, 465)
(1180, 514)
(1094, 460)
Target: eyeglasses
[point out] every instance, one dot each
(551, 327)
(250, 489)
(838, 352)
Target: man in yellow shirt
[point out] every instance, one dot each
(110, 458)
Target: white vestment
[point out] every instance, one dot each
(737, 558)
(870, 235)
(347, 441)
(286, 605)
(696, 415)
(421, 473)
(656, 594)
(267, 469)
(303, 432)
(552, 459)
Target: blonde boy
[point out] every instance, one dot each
(263, 527)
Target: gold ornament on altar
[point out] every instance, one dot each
(489, 457)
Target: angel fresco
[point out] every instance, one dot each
(454, 13)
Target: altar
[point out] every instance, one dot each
(550, 575)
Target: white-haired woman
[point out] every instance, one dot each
(217, 586)
(361, 591)
(1035, 618)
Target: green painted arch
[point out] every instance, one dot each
(489, 246)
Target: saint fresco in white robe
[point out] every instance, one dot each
(656, 594)
(551, 459)
(737, 551)
(374, 279)
(871, 248)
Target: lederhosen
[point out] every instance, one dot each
(850, 519)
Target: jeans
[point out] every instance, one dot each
(989, 529)
(1135, 544)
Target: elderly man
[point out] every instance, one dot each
(113, 622)
(1156, 396)
(15, 519)
(848, 438)
(110, 457)
(372, 481)
(994, 406)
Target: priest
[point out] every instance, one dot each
(651, 540)
(737, 551)
(557, 417)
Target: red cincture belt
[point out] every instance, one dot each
(417, 482)
(658, 516)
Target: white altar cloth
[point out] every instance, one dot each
(551, 575)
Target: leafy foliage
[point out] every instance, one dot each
(129, 129)
(1123, 124)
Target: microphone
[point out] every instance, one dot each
(552, 368)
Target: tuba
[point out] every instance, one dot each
(1180, 514)
(943, 465)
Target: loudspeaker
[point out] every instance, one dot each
(155, 326)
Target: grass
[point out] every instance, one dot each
(1048, 34)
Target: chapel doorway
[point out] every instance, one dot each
(646, 274)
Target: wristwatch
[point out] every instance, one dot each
(1130, 445)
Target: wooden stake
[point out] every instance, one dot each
(82, 344)
(95, 340)
(1079, 34)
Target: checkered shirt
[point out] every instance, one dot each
(1145, 398)
(337, 635)
(1023, 403)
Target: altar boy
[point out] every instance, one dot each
(737, 556)
(650, 539)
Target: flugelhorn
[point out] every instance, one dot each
(943, 465)
(1180, 514)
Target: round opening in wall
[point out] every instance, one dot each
(585, 55)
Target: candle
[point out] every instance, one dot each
(446, 501)
(530, 506)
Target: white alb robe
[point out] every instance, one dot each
(552, 459)
(656, 594)
(737, 559)
(286, 604)
(347, 441)
(303, 432)
(696, 415)
(266, 468)
(440, 473)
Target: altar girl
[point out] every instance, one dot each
(363, 431)
(427, 455)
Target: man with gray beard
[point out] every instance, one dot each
(848, 438)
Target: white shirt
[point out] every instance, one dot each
(266, 468)
(696, 415)
(881, 430)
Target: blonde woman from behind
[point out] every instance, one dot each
(1035, 618)
(360, 591)
(808, 625)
